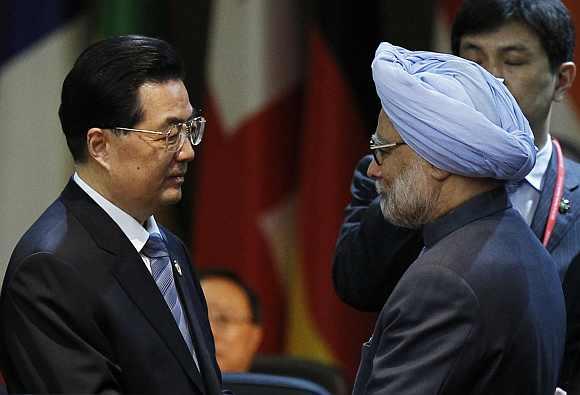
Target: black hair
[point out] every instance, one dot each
(229, 275)
(101, 90)
(550, 20)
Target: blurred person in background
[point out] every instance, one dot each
(235, 318)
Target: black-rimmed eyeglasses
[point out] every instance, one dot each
(379, 149)
(177, 133)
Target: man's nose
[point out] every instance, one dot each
(374, 170)
(186, 153)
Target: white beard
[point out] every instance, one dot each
(409, 201)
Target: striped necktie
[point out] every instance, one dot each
(162, 273)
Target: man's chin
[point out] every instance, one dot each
(395, 218)
(171, 196)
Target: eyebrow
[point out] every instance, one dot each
(508, 48)
(469, 46)
(173, 120)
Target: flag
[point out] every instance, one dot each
(245, 198)
(290, 107)
(40, 41)
(339, 112)
(121, 17)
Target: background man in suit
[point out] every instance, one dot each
(99, 298)
(529, 44)
(235, 318)
(481, 310)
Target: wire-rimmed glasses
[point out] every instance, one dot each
(177, 133)
(379, 148)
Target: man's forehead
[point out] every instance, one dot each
(164, 103)
(511, 36)
(385, 128)
(225, 289)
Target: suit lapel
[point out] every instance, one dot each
(541, 214)
(139, 285)
(131, 274)
(563, 220)
(566, 219)
(192, 305)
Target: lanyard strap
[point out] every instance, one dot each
(558, 192)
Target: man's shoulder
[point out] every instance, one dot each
(56, 232)
(54, 237)
(47, 231)
(496, 259)
(493, 245)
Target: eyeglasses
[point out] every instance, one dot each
(380, 149)
(224, 320)
(176, 134)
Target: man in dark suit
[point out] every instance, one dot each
(529, 44)
(97, 297)
(481, 310)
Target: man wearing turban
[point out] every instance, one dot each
(481, 310)
(530, 45)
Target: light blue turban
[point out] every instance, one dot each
(453, 113)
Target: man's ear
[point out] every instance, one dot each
(438, 174)
(566, 75)
(99, 146)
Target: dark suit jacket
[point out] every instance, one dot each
(80, 313)
(486, 318)
(571, 365)
(372, 254)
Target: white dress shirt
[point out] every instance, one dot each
(135, 232)
(525, 199)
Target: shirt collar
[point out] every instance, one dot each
(135, 232)
(482, 205)
(534, 177)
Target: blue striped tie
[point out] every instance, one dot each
(162, 273)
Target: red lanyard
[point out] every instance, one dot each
(558, 192)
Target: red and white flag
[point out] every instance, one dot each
(244, 216)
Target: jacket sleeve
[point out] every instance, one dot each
(51, 342)
(371, 254)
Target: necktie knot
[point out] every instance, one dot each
(155, 247)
